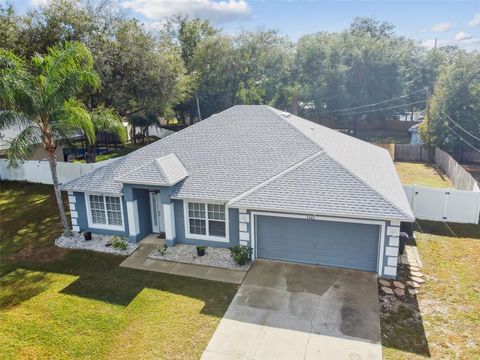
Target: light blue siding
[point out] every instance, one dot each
(144, 216)
(340, 244)
(81, 208)
(180, 229)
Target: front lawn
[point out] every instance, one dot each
(422, 174)
(444, 320)
(77, 304)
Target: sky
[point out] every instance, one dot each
(451, 22)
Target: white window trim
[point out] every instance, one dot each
(103, 226)
(186, 222)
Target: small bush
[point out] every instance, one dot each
(119, 242)
(241, 254)
(201, 248)
(161, 250)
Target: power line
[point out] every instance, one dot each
(387, 108)
(380, 102)
(473, 136)
(465, 141)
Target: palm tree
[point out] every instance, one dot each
(42, 97)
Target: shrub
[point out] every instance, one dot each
(161, 250)
(119, 242)
(241, 254)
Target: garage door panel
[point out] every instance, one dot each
(349, 245)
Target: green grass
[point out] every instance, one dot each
(79, 304)
(127, 149)
(448, 307)
(28, 216)
(384, 136)
(121, 151)
(422, 174)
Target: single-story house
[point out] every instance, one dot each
(415, 138)
(252, 175)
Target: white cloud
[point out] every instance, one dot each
(441, 27)
(215, 11)
(38, 2)
(461, 36)
(430, 44)
(468, 42)
(476, 21)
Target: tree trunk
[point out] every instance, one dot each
(58, 194)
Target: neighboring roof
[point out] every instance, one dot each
(260, 156)
(414, 128)
(164, 171)
(8, 134)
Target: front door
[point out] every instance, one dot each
(155, 210)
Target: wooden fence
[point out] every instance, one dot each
(470, 157)
(409, 152)
(460, 178)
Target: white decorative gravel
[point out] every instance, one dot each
(77, 241)
(214, 257)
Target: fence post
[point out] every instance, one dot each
(414, 196)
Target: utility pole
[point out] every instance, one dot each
(435, 46)
(198, 107)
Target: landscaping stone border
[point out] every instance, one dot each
(98, 242)
(187, 254)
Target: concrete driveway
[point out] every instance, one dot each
(293, 311)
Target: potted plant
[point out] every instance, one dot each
(87, 235)
(201, 250)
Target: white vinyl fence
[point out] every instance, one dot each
(39, 171)
(444, 204)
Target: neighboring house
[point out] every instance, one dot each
(415, 138)
(39, 153)
(252, 175)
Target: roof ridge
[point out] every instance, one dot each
(368, 185)
(273, 178)
(178, 132)
(131, 171)
(160, 167)
(273, 110)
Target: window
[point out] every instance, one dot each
(106, 210)
(206, 219)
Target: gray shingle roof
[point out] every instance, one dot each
(165, 171)
(243, 153)
(320, 186)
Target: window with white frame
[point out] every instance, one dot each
(106, 210)
(206, 219)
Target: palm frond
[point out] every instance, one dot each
(66, 71)
(72, 117)
(16, 84)
(22, 146)
(10, 118)
(108, 120)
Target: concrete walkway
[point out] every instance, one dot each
(293, 311)
(139, 260)
(411, 257)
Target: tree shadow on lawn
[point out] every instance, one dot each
(401, 321)
(100, 278)
(20, 284)
(471, 231)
